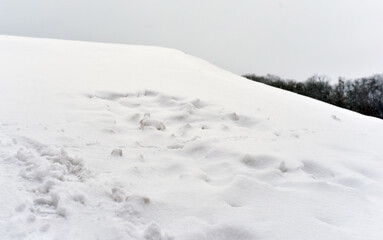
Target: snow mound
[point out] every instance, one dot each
(106, 141)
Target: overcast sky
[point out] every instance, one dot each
(290, 38)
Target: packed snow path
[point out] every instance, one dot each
(203, 154)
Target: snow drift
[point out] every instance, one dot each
(108, 141)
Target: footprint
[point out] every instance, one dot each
(44, 228)
(129, 104)
(52, 201)
(282, 167)
(31, 218)
(316, 170)
(233, 116)
(78, 198)
(20, 208)
(228, 232)
(197, 103)
(335, 118)
(118, 195)
(138, 200)
(116, 152)
(205, 127)
(154, 232)
(176, 146)
(197, 148)
(259, 161)
(149, 93)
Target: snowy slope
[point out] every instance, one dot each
(206, 154)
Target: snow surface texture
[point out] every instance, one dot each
(102, 141)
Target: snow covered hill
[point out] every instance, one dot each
(108, 141)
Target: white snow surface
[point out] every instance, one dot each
(108, 141)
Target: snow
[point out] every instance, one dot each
(108, 141)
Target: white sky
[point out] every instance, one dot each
(293, 39)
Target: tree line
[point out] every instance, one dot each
(363, 95)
